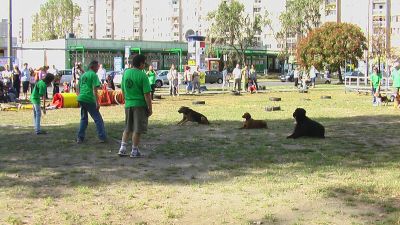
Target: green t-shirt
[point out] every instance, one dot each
(87, 82)
(396, 78)
(134, 85)
(38, 91)
(376, 79)
(152, 77)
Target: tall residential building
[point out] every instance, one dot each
(109, 19)
(21, 31)
(137, 20)
(395, 25)
(92, 19)
(332, 11)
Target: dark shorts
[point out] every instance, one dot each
(25, 86)
(136, 119)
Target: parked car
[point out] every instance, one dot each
(354, 74)
(117, 77)
(66, 76)
(213, 76)
(287, 77)
(161, 78)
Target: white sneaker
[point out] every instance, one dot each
(136, 153)
(122, 152)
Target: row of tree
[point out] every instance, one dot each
(329, 46)
(55, 19)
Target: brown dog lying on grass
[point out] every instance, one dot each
(192, 116)
(253, 124)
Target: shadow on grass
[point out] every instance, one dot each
(191, 154)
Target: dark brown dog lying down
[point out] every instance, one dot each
(305, 127)
(253, 124)
(192, 116)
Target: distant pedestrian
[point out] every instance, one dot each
(138, 105)
(225, 78)
(102, 74)
(296, 75)
(173, 80)
(32, 80)
(6, 75)
(25, 79)
(39, 91)
(253, 76)
(237, 74)
(188, 79)
(376, 79)
(396, 78)
(77, 72)
(327, 76)
(16, 80)
(151, 74)
(88, 87)
(313, 75)
(245, 78)
(196, 80)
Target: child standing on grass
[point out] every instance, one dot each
(39, 91)
(138, 106)
(376, 79)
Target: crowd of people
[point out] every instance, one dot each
(16, 83)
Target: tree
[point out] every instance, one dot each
(55, 19)
(332, 45)
(233, 28)
(300, 17)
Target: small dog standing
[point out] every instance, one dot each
(192, 116)
(253, 124)
(305, 127)
(382, 100)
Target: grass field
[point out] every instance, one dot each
(214, 174)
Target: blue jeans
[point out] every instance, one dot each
(96, 116)
(37, 114)
(374, 90)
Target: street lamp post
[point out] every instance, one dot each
(9, 47)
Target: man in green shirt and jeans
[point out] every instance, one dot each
(88, 86)
(39, 91)
(136, 88)
(396, 78)
(376, 79)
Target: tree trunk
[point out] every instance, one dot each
(340, 76)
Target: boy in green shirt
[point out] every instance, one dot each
(376, 79)
(396, 78)
(151, 74)
(88, 86)
(138, 106)
(39, 91)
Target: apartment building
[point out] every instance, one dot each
(173, 20)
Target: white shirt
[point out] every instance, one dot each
(237, 73)
(296, 74)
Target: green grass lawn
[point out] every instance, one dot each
(213, 174)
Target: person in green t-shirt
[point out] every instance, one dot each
(376, 79)
(39, 91)
(396, 78)
(136, 88)
(151, 74)
(88, 86)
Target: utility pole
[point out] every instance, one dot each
(368, 39)
(9, 47)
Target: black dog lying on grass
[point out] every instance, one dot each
(192, 116)
(305, 127)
